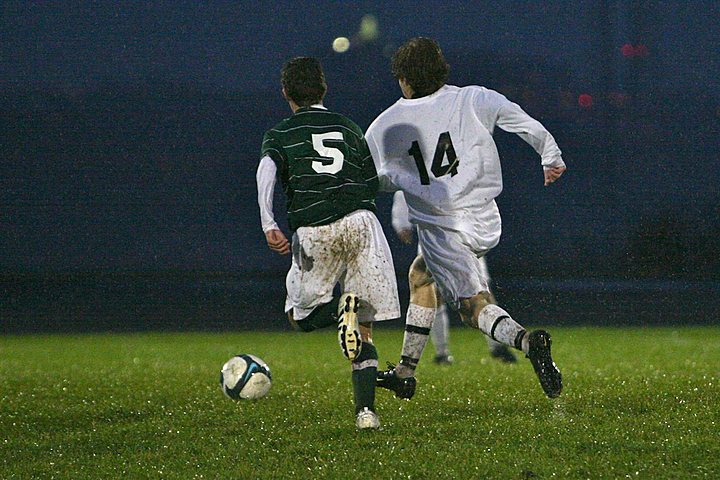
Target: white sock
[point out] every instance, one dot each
(418, 322)
(497, 324)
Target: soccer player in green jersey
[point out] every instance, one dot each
(324, 166)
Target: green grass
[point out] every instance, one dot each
(638, 403)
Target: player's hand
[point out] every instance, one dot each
(552, 174)
(277, 242)
(405, 235)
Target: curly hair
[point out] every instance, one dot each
(421, 64)
(303, 80)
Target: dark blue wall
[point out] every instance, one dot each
(122, 183)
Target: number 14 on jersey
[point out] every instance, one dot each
(440, 166)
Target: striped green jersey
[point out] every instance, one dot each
(324, 166)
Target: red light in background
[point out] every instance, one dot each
(634, 51)
(627, 50)
(585, 100)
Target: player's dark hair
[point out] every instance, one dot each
(303, 80)
(421, 63)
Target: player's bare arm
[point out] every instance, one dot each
(552, 174)
(277, 241)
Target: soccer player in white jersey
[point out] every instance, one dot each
(440, 331)
(436, 145)
(324, 165)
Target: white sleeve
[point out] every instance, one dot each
(265, 178)
(399, 213)
(513, 119)
(385, 185)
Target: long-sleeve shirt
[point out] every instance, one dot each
(440, 152)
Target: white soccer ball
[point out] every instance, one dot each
(245, 376)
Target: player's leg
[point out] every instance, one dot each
(495, 322)
(418, 322)
(321, 316)
(479, 312)
(440, 330)
(497, 349)
(340, 311)
(455, 265)
(364, 370)
(371, 274)
(310, 283)
(419, 318)
(440, 334)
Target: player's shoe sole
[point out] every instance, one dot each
(348, 329)
(367, 419)
(403, 387)
(541, 359)
(503, 354)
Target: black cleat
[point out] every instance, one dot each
(444, 359)
(403, 387)
(503, 353)
(546, 370)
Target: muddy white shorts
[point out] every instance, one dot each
(484, 270)
(455, 258)
(352, 251)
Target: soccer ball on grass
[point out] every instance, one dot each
(245, 376)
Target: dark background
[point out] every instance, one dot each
(130, 135)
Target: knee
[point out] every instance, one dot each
(471, 307)
(465, 312)
(418, 275)
(422, 287)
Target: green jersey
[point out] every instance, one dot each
(324, 166)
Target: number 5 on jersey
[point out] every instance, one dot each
(439, 168)
(320, 166)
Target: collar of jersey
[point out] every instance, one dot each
(317, 106)
(426, 97)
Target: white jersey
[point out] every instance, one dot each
(440, 152)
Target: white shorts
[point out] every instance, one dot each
(455, 259)
(352, 251)
(484, 271)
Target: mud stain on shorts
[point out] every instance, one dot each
(301, 258)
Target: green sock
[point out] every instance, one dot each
(364, 370)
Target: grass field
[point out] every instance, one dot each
(638, 403)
